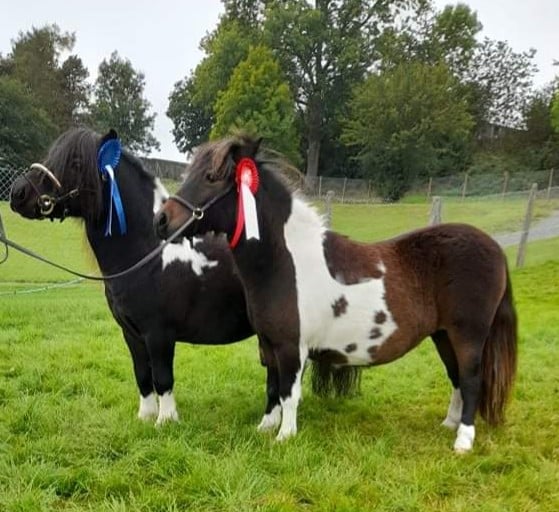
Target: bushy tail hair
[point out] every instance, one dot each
(498, 363)
(328, 380)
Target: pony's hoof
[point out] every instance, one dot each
(284, 435)
(148, 408)
(170, 417)
(270, 421)
(464, 439)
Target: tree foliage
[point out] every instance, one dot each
(325, 48)
(120, 104)
(258, 100)
(501, 82)
(554, 114)
(192, 100)
(408, 121)
(25, 127)
(60, 87)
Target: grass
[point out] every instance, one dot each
(69, 439)
(367, 222)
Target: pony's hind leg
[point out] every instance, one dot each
(448, 357)
(142, 371)
(272, 413)
(469, 349)
(291, 362)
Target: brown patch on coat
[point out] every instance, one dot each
(375, 333)
(380, 317)
(352, 347)
(349, 261)
(373, 351)
(340, 306)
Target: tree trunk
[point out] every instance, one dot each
(314, 135)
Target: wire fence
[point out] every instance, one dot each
(347, 190)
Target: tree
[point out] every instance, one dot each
(192, 100)
(432, 36)
(554, 114)
(25, 127)
(501, 82)
(407, 122)
(60, 87)
(324, 49)
(258, 100)
(119, 104)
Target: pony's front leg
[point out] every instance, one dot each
(272, 413)
(142, 371)
(162, 353)
(291, 361)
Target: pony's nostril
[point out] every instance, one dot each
(18, 194)
(160, 224)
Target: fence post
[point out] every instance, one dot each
(435, 216)
(328, 208)
(343, 190)
(550, 184)
(505, 183)
(320, 187)
(429, 188)
(465, 186)
(526, 228)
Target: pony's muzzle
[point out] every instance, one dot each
(161, 224)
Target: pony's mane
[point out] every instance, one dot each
(218, 156)
(73, 159)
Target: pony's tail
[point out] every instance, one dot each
(498, 363)
(327, 380)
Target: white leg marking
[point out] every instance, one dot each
(271, 420)
(454, 414)
(289, 405)
(167, 408)
(148, 407)
(465, 438)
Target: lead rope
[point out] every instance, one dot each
(146, 259)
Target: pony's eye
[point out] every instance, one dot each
(210, 177)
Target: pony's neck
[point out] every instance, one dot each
(283, 217)
(141, 196)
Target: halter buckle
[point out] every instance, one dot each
(46, 204)
(198, 213)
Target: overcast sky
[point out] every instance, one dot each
(161, 37)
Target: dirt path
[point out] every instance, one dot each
(539, 230)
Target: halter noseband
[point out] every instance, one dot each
(47, 202)
(198, 211)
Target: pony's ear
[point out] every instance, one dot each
(228, 153)
(247, 148)
(111, 134)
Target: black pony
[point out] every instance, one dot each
(189, 293)
(312, 293)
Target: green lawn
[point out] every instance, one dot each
(69, 439)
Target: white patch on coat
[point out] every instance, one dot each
(271, 420)
(186, 253)
(167, 408)
(148, 407)
(160, 194)
(316, 292)
(454, 414)
(464, 438)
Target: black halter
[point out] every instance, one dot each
(198, 211)
(47, 202)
